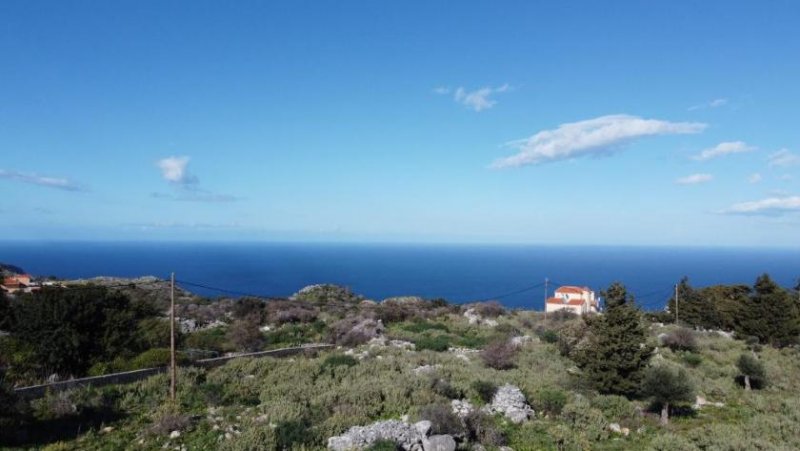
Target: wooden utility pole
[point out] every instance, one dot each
(676, 304)
(172, 369)
(546, 281)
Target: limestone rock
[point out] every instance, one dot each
(510, 401)
(439, 443)
(423, 427)
(359, 437)
(461, 408)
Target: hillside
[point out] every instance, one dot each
(411, 360)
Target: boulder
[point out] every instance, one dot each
(439, 443)
(359, 437)
(423, 427)
(510, 401)
(461, 408)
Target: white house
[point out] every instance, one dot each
(577, 300)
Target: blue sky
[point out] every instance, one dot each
(666, 123)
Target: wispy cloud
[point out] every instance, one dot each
(716, 103)
(175, 171)
(722, 149)
(755, 178)
(61, 183)
(694, 179)
(772, 206)
(159, 225)
(601, 135)
(477, 100)
(783, 158)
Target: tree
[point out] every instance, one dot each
(771, 314)
(71, 329)
(5, 312)
(617, 351)
(666, 385)
(752, 371)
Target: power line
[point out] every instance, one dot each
(505, 295)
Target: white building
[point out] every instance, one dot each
(577, 300)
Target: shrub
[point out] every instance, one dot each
(549, 336)
(168, 420)
(581, 417)
(491, 309)
(692, 359)
(294, 315)
(485, 390)
(500, 355)
(354, 330)
(438, 343)
(681, 340)
(424, 326)
(443, 420)
(550, 400)
(442, 387)
(245, 334)
(333, 361)
(614, 407)
(482, 429)
(246, 307)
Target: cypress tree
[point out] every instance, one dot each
(771, 314)
(617, 353)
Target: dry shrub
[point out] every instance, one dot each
(681, 340)
(482, 429)
(245, 334)
(355, 330)
(443, 420)
(168, 422)
(491, 309)
(500, 355)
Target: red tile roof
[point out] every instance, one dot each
(572, 289)
(560, 301)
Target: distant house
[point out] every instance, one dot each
(17, 283)
(577, 300)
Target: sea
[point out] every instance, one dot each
(514, 275)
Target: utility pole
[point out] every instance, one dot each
(676, 304)
(546, 281)
(172, 369)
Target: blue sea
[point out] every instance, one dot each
(458, 273)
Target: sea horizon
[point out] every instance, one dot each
(458, 272)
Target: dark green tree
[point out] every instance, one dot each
(617, 352)
(667, 386)
(5, 312)
(694, 308)
(771, 314)
(71, 329)
(752, 370)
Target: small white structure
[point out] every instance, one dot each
(577, 300)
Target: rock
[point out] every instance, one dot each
(107, 429)
(405, 300)
(701, 402)
(505, 448)
(174, 434)
(358, 437)
(461, 408)
(626, 432)
(424, 369)
(266, 328)
(439, 443)
(614, 427)
(402, 344)
(478, 447)
(520, 341)
(662, 338)
(423, 427)
(510, 401)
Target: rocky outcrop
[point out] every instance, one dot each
(409, 437)
(461, 408)
(474, 317)
(510, 401)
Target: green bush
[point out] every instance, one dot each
(549, 400)
(338, 360)
(549, 336)
(692, 359)
(424, 326)
(438, 343)
(485, 390)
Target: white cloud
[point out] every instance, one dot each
(755, 178)
(783, 158)
(35, 179)
(771, 206)
(479, 99)
(722, 149)
(694, 179)
(174, 170)
(716, 103)
(604, 134)
(442, 90)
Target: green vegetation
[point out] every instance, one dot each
(599, 382)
